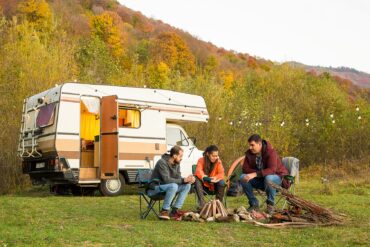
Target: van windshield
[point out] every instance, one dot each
(176, 137)
(46, 116)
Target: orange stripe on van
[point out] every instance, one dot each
(133, 156)
(67, 145)
(140, 147)
(69, 154)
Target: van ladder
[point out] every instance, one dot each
(23, 148)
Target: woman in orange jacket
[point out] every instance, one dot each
(209, 175)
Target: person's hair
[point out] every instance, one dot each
(175, 150)
(255, 138)
(207, 162)
(210, 149)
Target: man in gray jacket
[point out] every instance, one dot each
(167, 171)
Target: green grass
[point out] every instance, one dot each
(36, 218)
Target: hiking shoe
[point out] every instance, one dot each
(176, 216)
(270, 209)
(177, 213)
(253, 208)
(163, 215)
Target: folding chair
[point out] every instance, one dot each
(143, 178)
(208, 195)
(233, 174)
(291, 163)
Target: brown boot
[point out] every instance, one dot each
(164, 215)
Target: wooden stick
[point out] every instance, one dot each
(286, 224)
(223, 209)
(214, 203)
(208, 209)
(203, 209)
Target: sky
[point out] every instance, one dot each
(314, 32)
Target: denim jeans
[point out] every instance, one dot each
(171, 190)
(261, 184)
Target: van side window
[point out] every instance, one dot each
(46, 116)
(129, 118)
(176, 137)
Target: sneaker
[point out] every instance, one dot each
(177, 214)
(163, 215)
(253, 208)
(270, 209)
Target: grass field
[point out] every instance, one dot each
(37, 218)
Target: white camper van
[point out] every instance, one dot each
(85, 136)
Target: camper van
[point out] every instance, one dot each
(80, 137)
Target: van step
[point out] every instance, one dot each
(89, 181)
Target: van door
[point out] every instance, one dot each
(109, 138)
(176, 136)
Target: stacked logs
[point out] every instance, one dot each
(213, 210)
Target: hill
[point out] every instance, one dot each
(304, 114)
(358, 78)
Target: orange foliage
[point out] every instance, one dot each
(171, 49)
(252, 63)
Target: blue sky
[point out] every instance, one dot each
(315, 32)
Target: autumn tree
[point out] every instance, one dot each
(172, 50)
(107, 28)
(38, 13)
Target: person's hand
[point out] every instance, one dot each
(214, 180)
(250, 176)
(189, 179)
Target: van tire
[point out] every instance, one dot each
(112, 187)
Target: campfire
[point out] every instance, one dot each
(300, 213)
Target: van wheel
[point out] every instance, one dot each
(112, 187)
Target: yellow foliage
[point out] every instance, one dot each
(159, 75)
(228, 78)
(104, 27)
(37, 12)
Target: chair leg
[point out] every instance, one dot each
(150, 207)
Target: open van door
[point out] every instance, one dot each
(109, 138)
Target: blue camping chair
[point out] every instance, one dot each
(143, 178)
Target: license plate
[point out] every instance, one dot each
(40, 165)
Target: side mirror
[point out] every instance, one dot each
(193, 139)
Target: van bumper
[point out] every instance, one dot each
(53, 177)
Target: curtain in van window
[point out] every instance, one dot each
(128, 118)
(90, 125)
(133, 116)
(45, 116)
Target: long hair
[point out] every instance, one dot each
(208, 166)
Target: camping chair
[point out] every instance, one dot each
(208, 195)
(143, 178)
(291, 163)
(232, 176)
